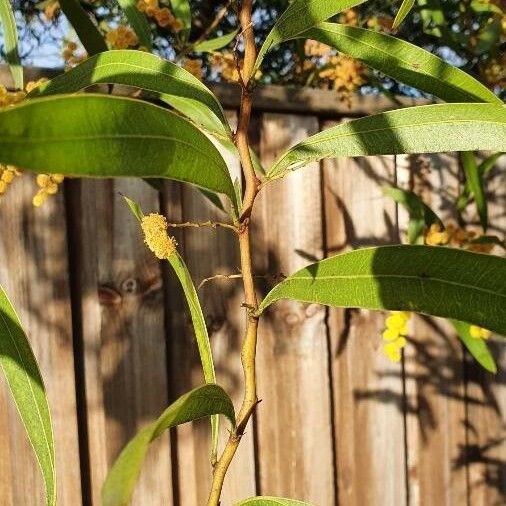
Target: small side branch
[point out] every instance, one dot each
(203, 224)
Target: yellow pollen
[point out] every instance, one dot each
(156, 237)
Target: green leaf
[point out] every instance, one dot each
(27, 388)
(299, 17)
(404, 62)
(10, 36)
(488, 37)
(175, 85)
(480, 6)
(106, 136)
(212, 45)
(475, 185)
(138, 22)
(86, 30)
(436, 281)
(420, 214)
(199, 403)
(423, 129)
(271, 501)
(182, 11)
(403, 11)
(134, 207)
(477, 347)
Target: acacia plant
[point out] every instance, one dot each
(56, 131)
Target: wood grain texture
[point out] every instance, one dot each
(368, 389)
(294, 417)
(123, 332)
(34, 272)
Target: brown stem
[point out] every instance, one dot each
(248, 353)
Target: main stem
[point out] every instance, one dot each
(248, 353)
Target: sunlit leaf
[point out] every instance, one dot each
(475, 184)
(27, 388)
(403, 11)
(211, 45)
(10, 40)
(270, 501)
(436, 281)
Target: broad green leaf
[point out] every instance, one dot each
(404, 62)
(182, 11)
(86, 30)
(27, 388)
(175, 85)
(475, 184)
(138, 22)
(199, 403)
(423, 129)
(270, 501)
(403, 11)
(106, 136)
(299, 17)
(211, 45)
(477, 347)
(432, 280)
(420, 214)
(10, 36)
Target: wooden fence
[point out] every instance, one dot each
(338, 423)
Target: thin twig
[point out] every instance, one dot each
(203, 224)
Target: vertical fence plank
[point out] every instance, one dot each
(433, 360)
(34, 272)
(123, 332)
(294, 417)
(368, 389)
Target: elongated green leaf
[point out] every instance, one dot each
(424, 129)
(199, 403)
(477, 347)
(138, 21)
(299, 17)
(10, 36)
(425, 279)
(475, 184)
(420, 214)
(182, 11)
(480, 6)
(404, 62)
(403, 11)
(27, 388)
(211, 45)
(105, 136)
(271, 501)
(175, 85)
(86, 30)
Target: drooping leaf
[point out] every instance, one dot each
(420, 214)
(182, 11)
(208, 46)
(404, 62)
(10, 36)
(270, 501)
(477, 347)
(423, 129)
(138, 22)
(27, 388)
(432, 280)
(475, 185)
(199, 403)
(403, 11)
(299, 17)
(86, 30)
(175, 85)
(106, 136)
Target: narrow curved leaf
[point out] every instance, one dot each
(27, 388)
(432, 280)
(299, 17)
(403, 11)
(106, 136)
(475, 184)
(138, 22)
(270, 501)
(404, 62)
(86, 30)
(477, 347)
(182, 11)
(208, 46)
(10, 36)
(199, 403)
(175, 85)
(423, 129)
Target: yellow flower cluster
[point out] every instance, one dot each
(121, 37)
(395, 334)
(194, 67)
(436, 236)
(456, 237)
(156, 237)
(380, 23)
(162, 15)
(51, 9)
(71, 55)
(345, 75)
(348, 17)
(10, 97)
(313, 48)
(48, 184)
(7, 175)
(225, 63)
(494, 72)
(479, 332)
